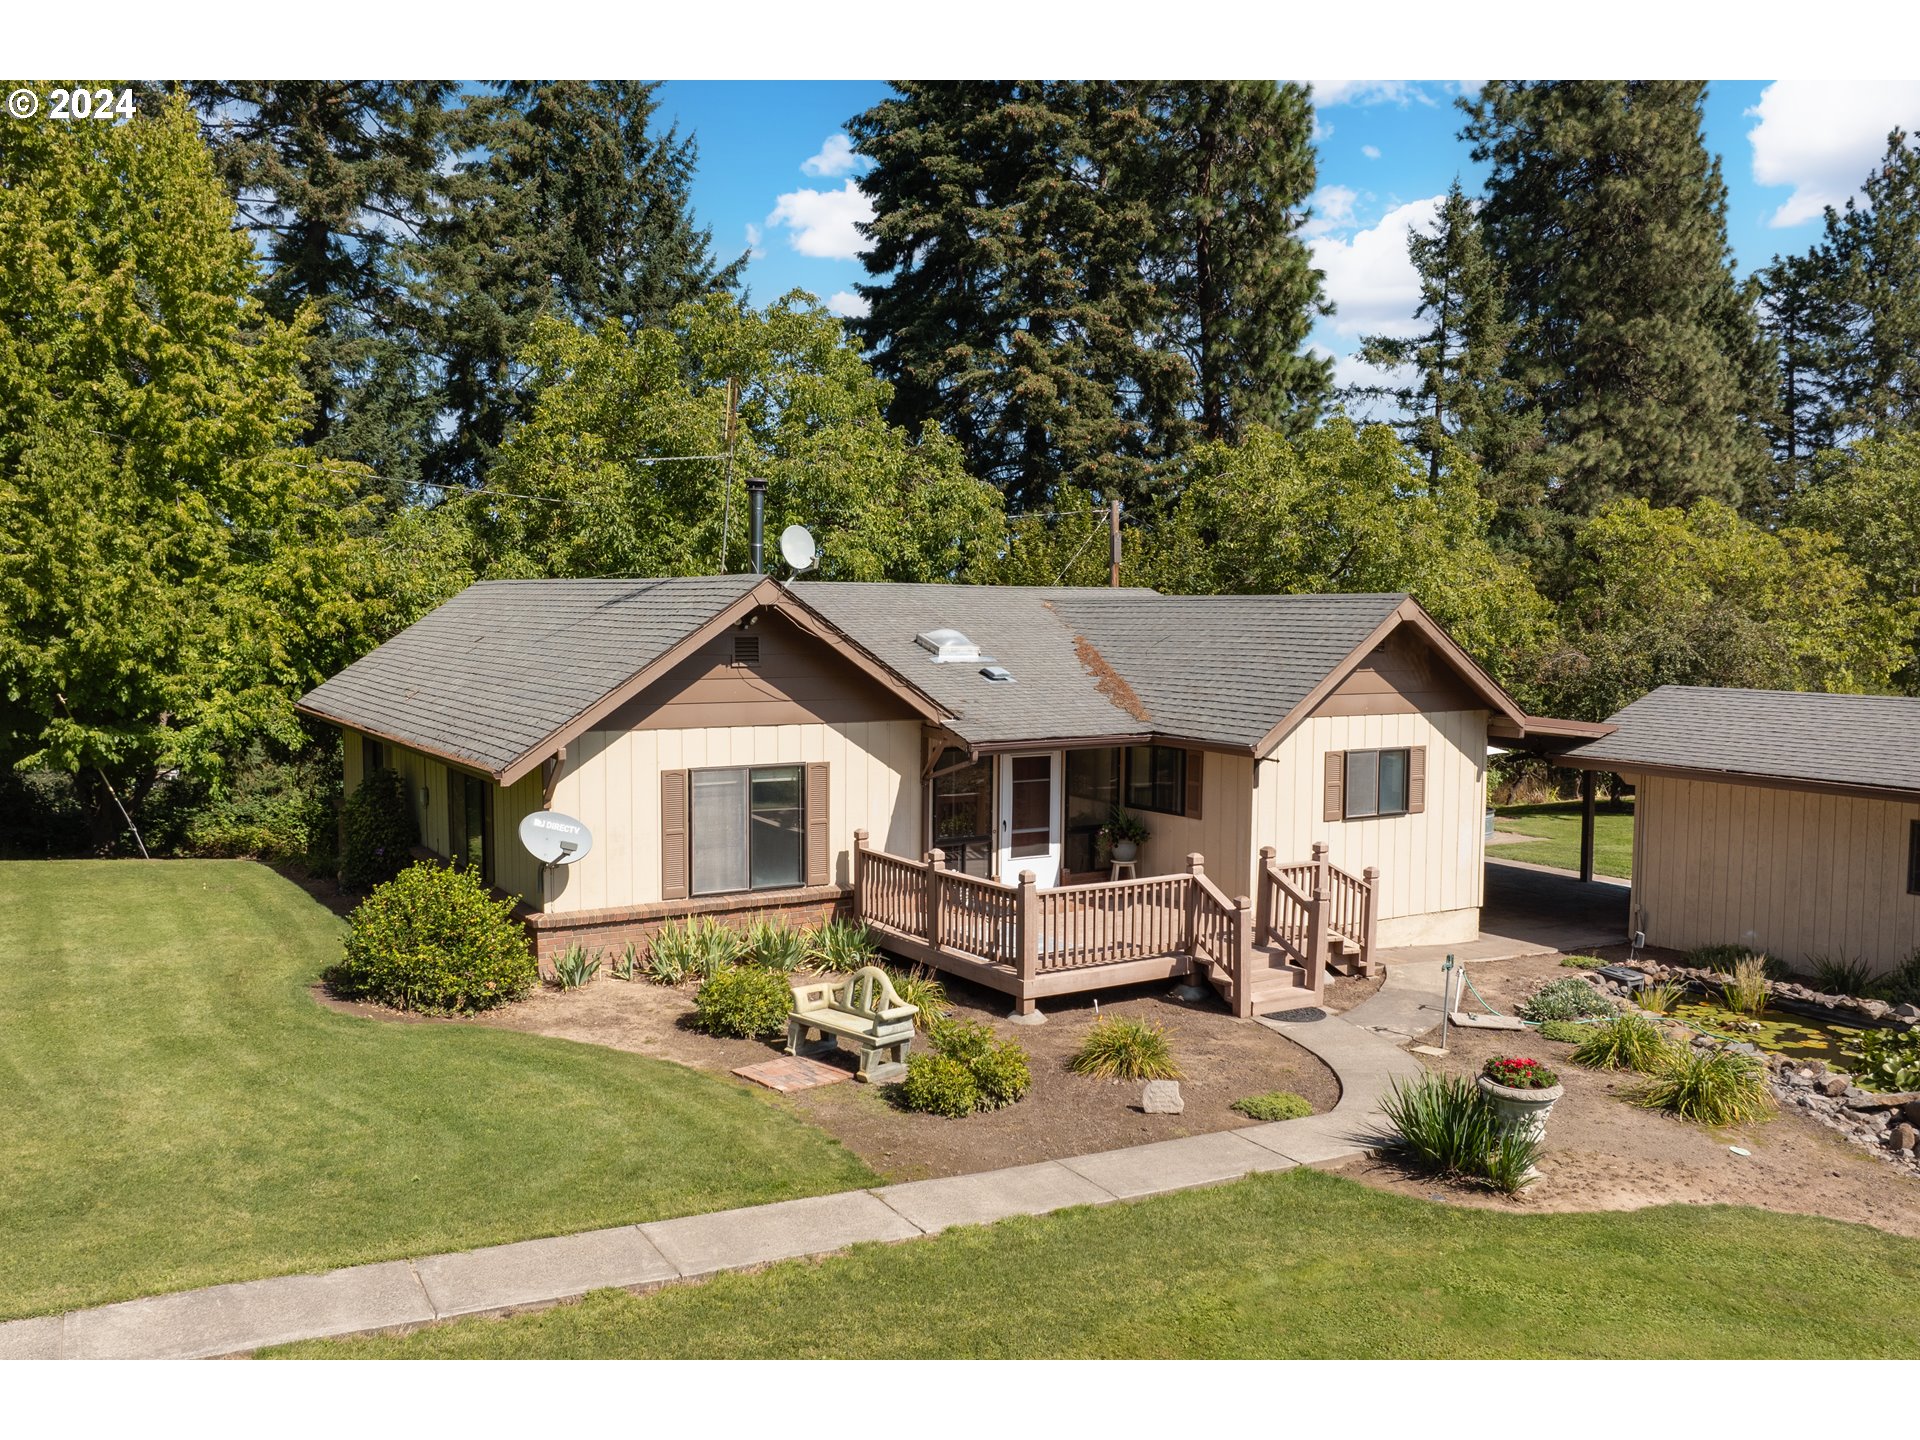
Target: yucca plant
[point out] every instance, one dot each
(1627, 1042)
(1120, 1049)
(1745, 987)
(775, 945)
(1841, 975)
(697, 948)
(842, 946)
(575, 967)
(1444, 1121)
(921, 987)
(1660, 999)
(1711, 1087)
(1512, 1163)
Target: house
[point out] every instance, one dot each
(939, 759)
(1787, 822)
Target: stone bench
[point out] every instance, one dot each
(862, 1008)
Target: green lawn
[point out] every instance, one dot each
(1300, 1264)
(1558, 829)
(179, 1111)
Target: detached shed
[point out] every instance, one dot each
(1784, 821)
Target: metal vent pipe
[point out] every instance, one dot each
(757, 525)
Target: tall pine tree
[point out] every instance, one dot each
(1608, 215)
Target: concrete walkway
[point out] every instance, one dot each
(235, 1319)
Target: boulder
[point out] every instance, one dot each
(1162, 1097)
(1903, 1136)
(1834, 1086)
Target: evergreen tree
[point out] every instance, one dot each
(1236, 167)
(1460, 393)
(1795, 300)
(1608, 216)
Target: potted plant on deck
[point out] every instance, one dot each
(1124, 834)
(1522, 1092)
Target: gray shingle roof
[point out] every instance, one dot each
(1223, 668)
(505, 663)
(1864, 740)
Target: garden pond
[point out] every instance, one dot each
(1779, 1032)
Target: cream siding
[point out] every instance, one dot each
(1221, 834)
(1790, 872)
(1432, 865)
(612, 783)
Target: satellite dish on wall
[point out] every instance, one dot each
(797, 548)
(555, 839)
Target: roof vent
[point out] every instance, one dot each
(997, 674)
(947, 646)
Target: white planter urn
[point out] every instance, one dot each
(1125, 850)
(1522, 1110)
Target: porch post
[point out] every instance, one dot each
(1586, 824)
(1372, 902)
(859, 874)
(936, 867)
(1242, 957)
(1026, 933)
(1263, 916)
(1317, 920)
(1196, 867)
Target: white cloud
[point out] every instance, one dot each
(848, 305)
(1332, 207)
(823, 221)
(1823, 136)
(1370, 280)
(836, 157)
(754, 249)
(1372, 152)
(1368, 92)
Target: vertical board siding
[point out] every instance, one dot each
(1220, 833)
(612, 784)
(1429, 863)
(1794, 873)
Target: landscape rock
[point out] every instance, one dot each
(1834, 1086)
(1162, 1097)
(1903, 1137)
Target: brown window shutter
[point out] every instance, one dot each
(1336, 786)
(1195, 772)
(819, 848)
(1417, 780)
(673, 835)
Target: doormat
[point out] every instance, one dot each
(793, 1072)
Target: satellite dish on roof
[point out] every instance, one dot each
(797, 548)
(555, 839)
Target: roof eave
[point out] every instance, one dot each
(1620, 765)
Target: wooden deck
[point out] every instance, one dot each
(1030, 943)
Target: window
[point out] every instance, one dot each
(373, 756)
(749, 828)
(1156, 778)
(1093, 789)
(473, 819)
(1913, 858)
(1376, 783)
(962, 812)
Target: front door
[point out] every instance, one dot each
(1030, 817)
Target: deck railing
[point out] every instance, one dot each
(1303, 907)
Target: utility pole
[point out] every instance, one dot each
(1113, 560)
(726, 507)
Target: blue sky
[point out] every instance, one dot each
(773, 178)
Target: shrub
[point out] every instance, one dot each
(1745, 988)
(1567, 1032)
(1581, 962)
(1660, 999)
(1568, 999)
(574, 967)
(1901, 985)
(379, 831)
(842, 946)
(1840, 974)
(939, 1085)
(1626, 1042)
(1121, 1049)
(1274, 1105)
(268, 809)
(744, 1001)
(1712, 1087)
(1444, 1121)
(1518, 1072)
(1511, 1161)
(775, 945)
(922, 988)
(433, 939)
(627, 965)
(696, 948)
(1887, 1060)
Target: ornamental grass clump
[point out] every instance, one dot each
(1445, 1123)
(744, 1001)
(921, 988)
(1660, 999)
(1841, 975)
(1120, 1049)
(433, 939)
(697, 948)
(1710, 1087)
(1567, 999)
(575, 967)
(841, 947)
(1626, 1042)
(1745, 988)
(775, 945)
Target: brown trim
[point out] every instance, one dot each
(1547, 727)
(815, 802)
(463, 763)
(769, 595)
(1333, 787)
(1416, 780)
(1632, 769)
(676, 847)
(1103, 742)
(1407, 612)
(732, 902)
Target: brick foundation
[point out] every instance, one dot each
(610, 930)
